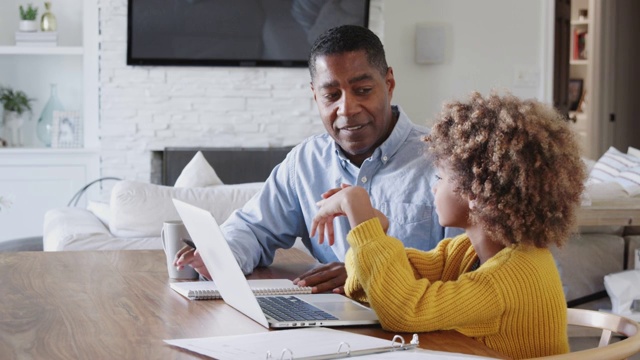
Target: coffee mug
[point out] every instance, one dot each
(173, 231)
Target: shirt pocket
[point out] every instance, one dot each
(406, 213)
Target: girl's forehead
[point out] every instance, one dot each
(443, 166)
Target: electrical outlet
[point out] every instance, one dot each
(525, 76)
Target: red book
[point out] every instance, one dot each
(576, 40)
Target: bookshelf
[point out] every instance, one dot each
(72, 65)
(37, 178)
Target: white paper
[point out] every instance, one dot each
(302, 343)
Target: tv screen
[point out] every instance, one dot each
(233, 32)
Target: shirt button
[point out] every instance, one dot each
(364, 179)
(384, 159)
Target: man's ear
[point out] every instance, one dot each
(313, 90)
(390, 80)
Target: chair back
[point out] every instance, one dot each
(610, 324)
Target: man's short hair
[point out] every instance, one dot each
(348, 38)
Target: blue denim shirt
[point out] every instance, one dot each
(398, 177)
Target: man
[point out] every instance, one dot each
(369, 143)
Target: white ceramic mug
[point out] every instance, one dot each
(173, 231)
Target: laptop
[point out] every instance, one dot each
(311, 309)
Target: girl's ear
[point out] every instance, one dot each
(472, 204)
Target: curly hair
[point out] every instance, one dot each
(518, 160)
(348, 38)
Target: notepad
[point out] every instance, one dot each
(206, 290)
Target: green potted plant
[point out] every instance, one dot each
(17, 108)
(28, 17)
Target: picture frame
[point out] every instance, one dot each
(576, 90)
(66, 130)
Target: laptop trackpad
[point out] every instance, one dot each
(340, 306)
(336, 307)
(347, 310)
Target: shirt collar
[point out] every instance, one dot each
(390, 146)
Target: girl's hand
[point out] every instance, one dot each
(329, 208)
(350, 201)
(330, 192)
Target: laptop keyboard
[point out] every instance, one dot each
(291, 308)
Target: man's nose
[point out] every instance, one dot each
(349, 105)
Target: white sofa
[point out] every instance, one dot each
(133, 219)
(135, 212)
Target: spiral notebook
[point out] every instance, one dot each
(207, 290)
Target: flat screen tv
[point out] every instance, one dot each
(233, 32)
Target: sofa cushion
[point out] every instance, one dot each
(197, 173)
(77, 229)
(101, 210)
(139, 209)
(63, 225)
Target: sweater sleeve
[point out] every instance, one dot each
(404, 290)
(352, 286)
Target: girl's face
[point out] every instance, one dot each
(452, 209)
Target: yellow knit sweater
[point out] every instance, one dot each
(513, 303)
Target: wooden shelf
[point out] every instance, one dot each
(41, 50)
(580, 22)
(44, 151)
(579, 62)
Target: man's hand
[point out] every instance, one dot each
(327, 277)
(188, 256)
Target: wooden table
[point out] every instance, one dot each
(118, 305)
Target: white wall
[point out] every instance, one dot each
(147, 108)
(486, 42)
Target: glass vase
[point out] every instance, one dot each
(43, 128)
(48, 21)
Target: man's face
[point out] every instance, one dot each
(354, 101)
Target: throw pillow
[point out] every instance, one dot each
(198, 173)
(615, 166)
(633, 151)
(101, 210)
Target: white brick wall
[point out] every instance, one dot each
(146, 108)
